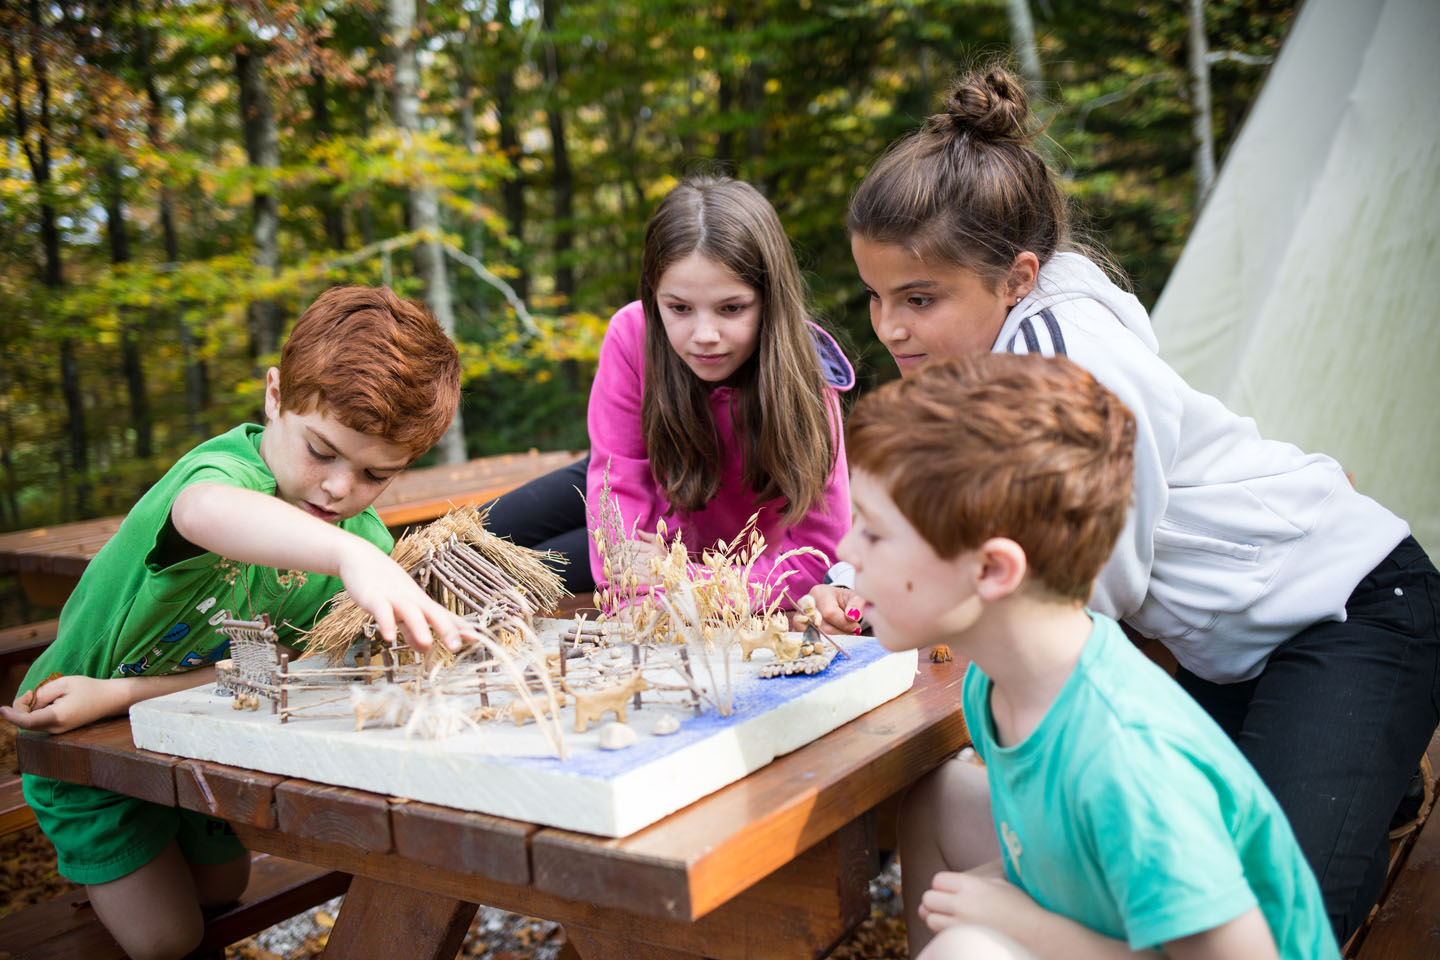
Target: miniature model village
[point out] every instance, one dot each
(672, 644)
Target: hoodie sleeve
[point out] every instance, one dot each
(617, 438)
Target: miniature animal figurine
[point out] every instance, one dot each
(519, 710)
(773, 638)
(807, 614)
(594, 704)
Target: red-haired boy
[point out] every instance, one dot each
(367, 382)
(988, 493)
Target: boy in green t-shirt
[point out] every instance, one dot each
(273, 520)
(988, 493)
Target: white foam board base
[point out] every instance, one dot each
(509, 771)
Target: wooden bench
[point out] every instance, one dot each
(19, 646)
(67, 927)
(22, 644)
(15, 813)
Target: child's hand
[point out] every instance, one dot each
(982, 895)
(840, 607)
(643, 548)
(66, 703)
(383, 589)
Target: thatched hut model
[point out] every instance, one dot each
(465, 567)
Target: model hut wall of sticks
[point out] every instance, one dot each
(680, 642)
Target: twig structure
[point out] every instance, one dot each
(685, 620)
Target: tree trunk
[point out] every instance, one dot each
(725, 102)
(563, 182)
(130, 335)
(513, 190)
(38, 158)
(1022, 34)
(261, 147)
(1200, 100)
(366, 213)
(330, 210)
(12, 482)
(424, 206)
(197, 377)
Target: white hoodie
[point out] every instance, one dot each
(1233, 543)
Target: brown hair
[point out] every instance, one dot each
(381, 365)
(783, 419)
(967, 187)
(1002, 445)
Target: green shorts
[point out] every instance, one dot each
(102, 836)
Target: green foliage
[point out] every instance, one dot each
(136, 106)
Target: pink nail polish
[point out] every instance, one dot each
(853, 613)
(857, 631)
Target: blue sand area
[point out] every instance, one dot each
(752, 697)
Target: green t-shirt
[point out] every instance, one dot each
(149, 603)
(1130, 811)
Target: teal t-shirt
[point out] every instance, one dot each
(1130, 811)
(149, 603)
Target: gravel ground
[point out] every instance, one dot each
(498, 935)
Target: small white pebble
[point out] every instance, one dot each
(666, 725)
(616, 736)
(1399, 592)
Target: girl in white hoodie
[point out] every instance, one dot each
(1301, 612)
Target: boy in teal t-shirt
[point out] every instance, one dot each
(987, 494)
(272, 520)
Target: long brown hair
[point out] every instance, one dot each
(968, 187)
(781, 414)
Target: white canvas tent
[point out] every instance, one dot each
(1308, 295)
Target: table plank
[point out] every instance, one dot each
(798, 911)
(701, 856)
(354, 818)
(419, 496)
(102, 755)
(471, 842)
(230, 793)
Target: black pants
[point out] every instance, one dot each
(548, 513)
(1338, 720)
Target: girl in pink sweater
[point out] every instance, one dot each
(715, 398)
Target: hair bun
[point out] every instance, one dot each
(990, 105)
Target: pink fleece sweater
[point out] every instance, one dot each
(617, 439)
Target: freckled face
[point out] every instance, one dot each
(922, 310)
(711, 316)
(322, 466)
(913, 597)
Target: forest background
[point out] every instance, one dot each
(181, 177)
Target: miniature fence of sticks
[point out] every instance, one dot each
(681, 619)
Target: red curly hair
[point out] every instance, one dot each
(378, 363)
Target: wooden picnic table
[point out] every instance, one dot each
(50, 560)
(775, 865)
